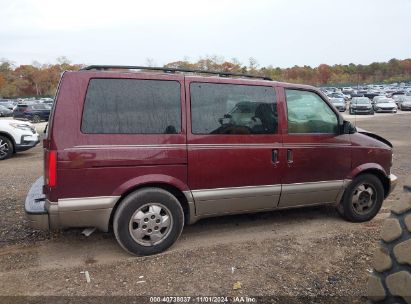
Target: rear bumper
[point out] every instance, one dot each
(71, 212)
(393, 182)
(34, 206)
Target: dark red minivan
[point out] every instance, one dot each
(148, 152)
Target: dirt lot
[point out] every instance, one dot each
(297, 254)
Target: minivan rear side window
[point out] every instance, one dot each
(132, 106)
(233, 109)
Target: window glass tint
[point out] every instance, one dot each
(130, 106)
(308, 113)
(233, 109)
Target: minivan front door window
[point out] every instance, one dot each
(308, 113)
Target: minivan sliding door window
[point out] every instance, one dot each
(233, 109)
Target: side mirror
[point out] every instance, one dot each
(348, 128)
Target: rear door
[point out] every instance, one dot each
(318, 158)
(234, 145)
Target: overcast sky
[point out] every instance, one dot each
(278, 32)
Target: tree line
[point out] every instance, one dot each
(39, 79)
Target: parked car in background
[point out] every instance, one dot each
(378, 97)
(337, 95)
(33, 112)
(391, 95)
(46, 100)
(385, 105)
(347, 90)
(8, 104)
(16, 136)
(175, 148)
(339, 103)
(405, 104)
(4, 112)
(357, 95)
(397, 97)
(371, 95)
(361, 105)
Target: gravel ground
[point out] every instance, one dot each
(295, 254)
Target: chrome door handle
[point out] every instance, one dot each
(289, 156)
(274, 156)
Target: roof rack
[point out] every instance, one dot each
(170, 70)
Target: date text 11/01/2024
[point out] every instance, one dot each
(203, 299)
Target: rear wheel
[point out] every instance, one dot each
(148, 221)
(6, 147)
(362, 199)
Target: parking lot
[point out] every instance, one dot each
(302, 252)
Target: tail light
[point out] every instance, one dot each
(50, 169)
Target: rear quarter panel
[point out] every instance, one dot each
(107, 164)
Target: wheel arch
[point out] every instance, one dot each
(172, 185)
(376, 170)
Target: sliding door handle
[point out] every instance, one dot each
(289, 156)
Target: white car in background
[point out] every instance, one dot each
(385, 105)
(16, 136)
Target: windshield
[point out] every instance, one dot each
(384, 101)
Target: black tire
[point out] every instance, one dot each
(135, 201)
(372, 112)
(36, 119)
(349, 209)
(390, 281)
(6, 148)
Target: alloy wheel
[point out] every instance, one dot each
(364, 198)
(4, 148)
(150, 224)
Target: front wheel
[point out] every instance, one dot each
(362, 199)
(6, 148)
(148, 221)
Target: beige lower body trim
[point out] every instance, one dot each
(304, 194)
(81, 212)
(222, 201)
(237, 199)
